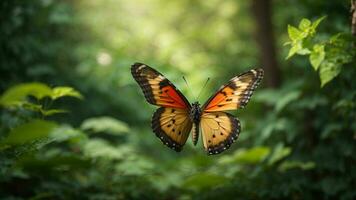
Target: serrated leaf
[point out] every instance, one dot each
(28, 132)
(59, 92)
(304, 24)
(328, 71)
(317, 56)
(293, 33)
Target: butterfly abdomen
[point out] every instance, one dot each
(195, 133)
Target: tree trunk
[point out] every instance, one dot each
(353, 17)
(261, 10)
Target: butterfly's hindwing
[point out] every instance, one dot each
(157, 89)
(236, 93)
(172, 126)
(219, 130)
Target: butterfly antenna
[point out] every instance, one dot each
(206, 82)
(190, 90)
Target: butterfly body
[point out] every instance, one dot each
(177, 118)
(195, 115)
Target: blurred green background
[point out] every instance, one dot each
(75, 125)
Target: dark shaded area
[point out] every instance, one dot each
(266, 42)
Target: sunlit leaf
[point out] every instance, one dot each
(317, 56)
(247, 156)
(28, 132)
(304, 24)
(59, 92)
(204, 180)
(16, 95)
(297, 48)
(105, 124)
(316, 23)
(294, 33)
(328, 71)
(293, 50)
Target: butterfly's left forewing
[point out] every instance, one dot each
(158, 90)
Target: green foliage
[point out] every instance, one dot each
(29, 132)
(202, 181)
(327, 55)
(17, 97)
(105, 124)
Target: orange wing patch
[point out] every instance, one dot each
(172, 126)
(219, 130)
(157, 89)
(236, 93)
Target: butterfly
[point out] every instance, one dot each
(177, 118)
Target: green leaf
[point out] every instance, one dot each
(293, 33)
(279, 153)
(28, 132)
(138, 166)
(59, 92)
(303, 51)
(16, 95)
(331, 129)
(292, 51)
(105, 124)
(297, 48)
(99, 148)
(287, 165)
(304, 24)
(317, 22)
(204, 180)
(66, 132)
(249, 156)
(328, 71)
(53, 111)
(317, 56)
(286, 99)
